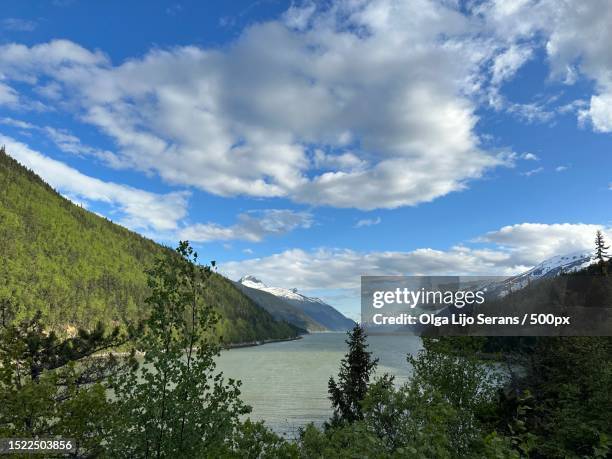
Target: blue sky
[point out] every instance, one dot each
(309, 143)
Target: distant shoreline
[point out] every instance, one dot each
(258, 342)
(224, 347)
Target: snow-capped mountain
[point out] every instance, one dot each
(551, 267)
(315, 308)
(253, 282)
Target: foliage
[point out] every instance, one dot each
(78, 268)
(51, 386)
(449, 367)
(436, 414)
(174, 404)
(355, 370)
(561, 406)
(253, 440)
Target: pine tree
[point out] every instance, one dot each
(601, 251)
(52, 385)
(353, 379)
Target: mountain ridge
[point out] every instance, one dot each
(548, 268)
(314, 308)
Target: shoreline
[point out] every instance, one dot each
(224, 347)
(258, 343)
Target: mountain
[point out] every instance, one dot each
(318, 312)
(78, 268)
(280, 309)
(549, 268)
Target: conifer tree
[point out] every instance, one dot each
(356, 368)
(52, 385)
(601, 251)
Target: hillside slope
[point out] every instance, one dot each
(549, 268)
(78, 268)
(280, 309)
(314, 308)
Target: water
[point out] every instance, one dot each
(286, 382)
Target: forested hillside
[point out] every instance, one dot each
(78, 268)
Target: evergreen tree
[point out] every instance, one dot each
(601, 251)
(173, 404)
(52, 385)
(353, 379)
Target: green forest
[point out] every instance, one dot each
(78, 268)
(539, 398)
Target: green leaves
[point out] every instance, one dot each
(174, 403)
(51, 386)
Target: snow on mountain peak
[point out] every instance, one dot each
(550, 267)
(252, 281)
(561, 263)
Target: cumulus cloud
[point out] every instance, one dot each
(363, 104)
(247, 119)
(530, 157)
(253, 226)
(532, 242)
(513, 249)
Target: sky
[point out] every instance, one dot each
(309, 143)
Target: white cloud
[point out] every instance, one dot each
(515, 248)
(600, 111)
(137, 209)
(561, 168)
(575, 36)
(20, 124)
(253, 226)
(297, 17)
(530, 157)
(241, 121)
(368, 222)
(531, 172)
(346, 161)
(507, 63)
(70, 143)
(533, 242)
(66, 141)
(364, 104)
(8, 96)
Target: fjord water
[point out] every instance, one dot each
(286, 382)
